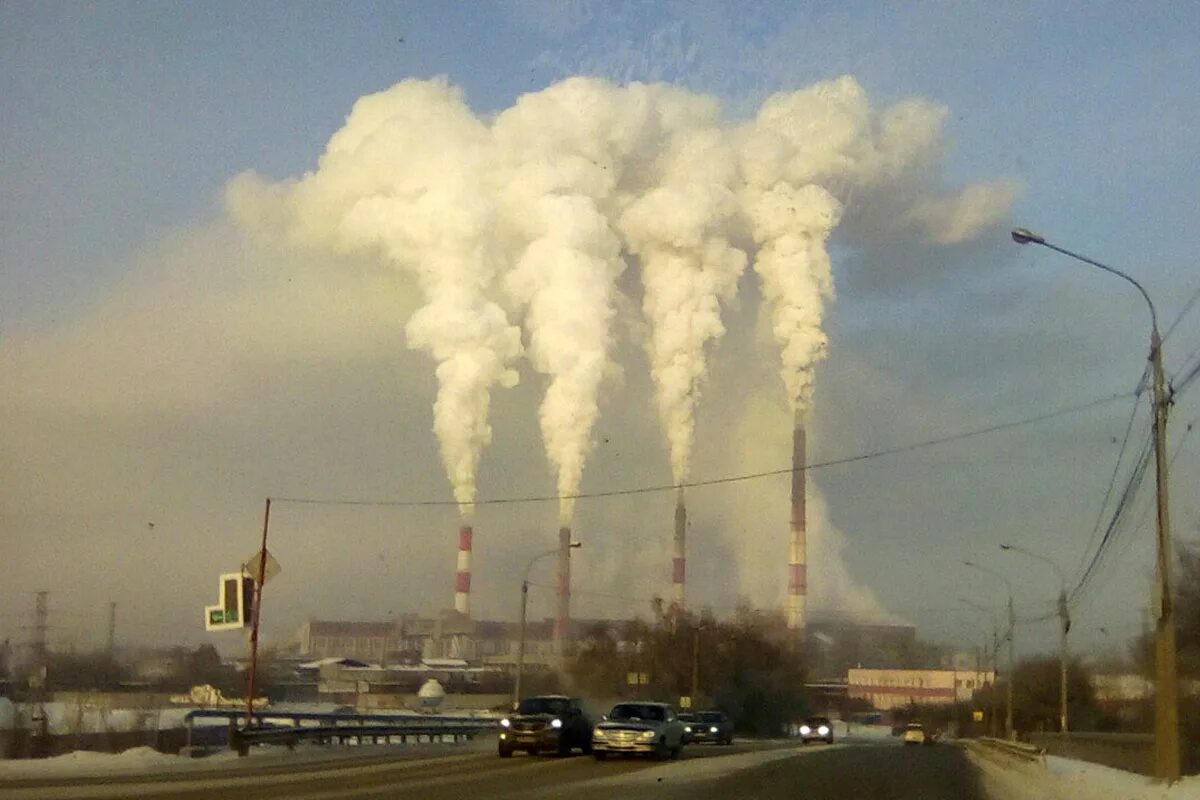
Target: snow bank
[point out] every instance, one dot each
(86, 762)
(1006, 778)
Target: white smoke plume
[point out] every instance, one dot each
(404, 176)
(541, 205)
(562, 153)
(679, 230)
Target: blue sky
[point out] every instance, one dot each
(120, 124)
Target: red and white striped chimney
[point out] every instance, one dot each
(797, 607)
(462, 578)
(564, 589)
(679, 559)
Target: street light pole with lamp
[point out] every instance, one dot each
(1012, 624)
(1064, 616)
(993, 660)
(1166, 695)
(524, 605)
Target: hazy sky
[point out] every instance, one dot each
(163, 371)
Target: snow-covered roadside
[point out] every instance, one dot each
(1007, 778)
(148, 761)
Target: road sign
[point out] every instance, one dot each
(685, 701)
(251, 566)
(235, 603)
(977, 715)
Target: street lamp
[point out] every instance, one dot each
(1166, 703)
(994, 659)
(1012, 624)
(1064, 616)
(524, 604)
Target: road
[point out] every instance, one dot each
(746, 771)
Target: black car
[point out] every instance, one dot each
(551, 723)
(707, 726)
(816, 729)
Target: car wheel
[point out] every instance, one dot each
(564, 747)
(676, 752)
(506, 752)
(587, 747)
(599, 755)
(662, 752)
(728, 740)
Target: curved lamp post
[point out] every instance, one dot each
(524, 605)
(1012, 624)
(1064, 616)
(994, 657)
(1166, 703)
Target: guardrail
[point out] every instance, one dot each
(290, 728)
(1021, 750)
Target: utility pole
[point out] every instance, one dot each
(1008, 713)
(1166, 695)
(695, 664)
(257, 614)
(1064, 614)
(112, 628)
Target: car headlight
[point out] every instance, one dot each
(805, 730)
(556, 723)
(687, 728)
(713, 729)
(597, 733)
(647, 735)
(506, 722)
(823, 730)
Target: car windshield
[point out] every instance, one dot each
(543, 705)
(690, 717)
(631, 711)
(815, 721)
(711, 716)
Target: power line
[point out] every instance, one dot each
(1112, 481)
(870, 456)
(1183, 313)
(1119, 516)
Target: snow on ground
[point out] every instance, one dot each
(1007, 778)
(86, 762)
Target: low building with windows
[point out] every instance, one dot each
(886, 689)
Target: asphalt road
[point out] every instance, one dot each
(745, 771)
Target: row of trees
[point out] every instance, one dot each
(747, 666)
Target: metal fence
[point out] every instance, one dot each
(291, 728)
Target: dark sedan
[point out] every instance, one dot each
(708, 726)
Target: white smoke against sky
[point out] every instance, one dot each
(679, 229)
(404, 176)
(561, 155)
(539, 207)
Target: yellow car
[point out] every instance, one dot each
(913, 734)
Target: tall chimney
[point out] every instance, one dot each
(564, 589)
(798, 552)
(679, 562)
(462, 579)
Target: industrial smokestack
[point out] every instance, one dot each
(462, 578)
(798, 552)
(679, 562)
(564, 589)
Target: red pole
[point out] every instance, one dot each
(262, 569)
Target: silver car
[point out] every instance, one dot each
(637, 728)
